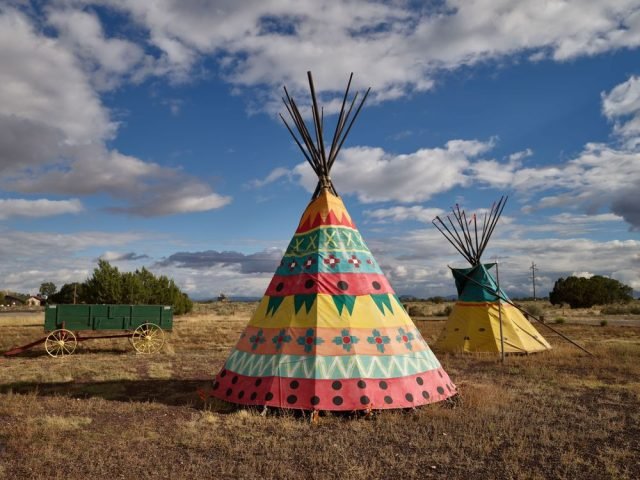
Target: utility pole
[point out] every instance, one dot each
(533, 269)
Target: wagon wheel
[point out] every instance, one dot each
(60, 343)
(148, 338)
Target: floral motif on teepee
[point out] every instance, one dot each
(309, 339)
(257, 339)
(405, 337)
(345, 340)
(281, 338)
(378, 340)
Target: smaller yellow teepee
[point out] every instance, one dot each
(474, 322)
(483, 319)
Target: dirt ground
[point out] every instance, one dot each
(107, 413)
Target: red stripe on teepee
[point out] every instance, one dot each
(345, 394)
(319, 221)
(329, 283)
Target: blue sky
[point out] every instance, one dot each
(146, 133)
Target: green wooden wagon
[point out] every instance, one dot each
(66, 325)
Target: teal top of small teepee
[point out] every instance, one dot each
(469, 291)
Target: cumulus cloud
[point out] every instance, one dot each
(54, 127)
(401, 213)
(43, 86)
(108, 60)
(398, 47)
(374, 175)
(17, 207)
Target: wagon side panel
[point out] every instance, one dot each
(71, 317)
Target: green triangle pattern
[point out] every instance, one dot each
(274, 304)
(344, 300)
(382, 300)
(306, 300)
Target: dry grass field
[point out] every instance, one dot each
(107, 413)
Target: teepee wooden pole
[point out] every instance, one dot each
(355, 115)
(334, 142)
(451, 240)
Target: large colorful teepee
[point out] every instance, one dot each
(330, 333)
(483, 319)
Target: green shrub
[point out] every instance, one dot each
(560, 320)
(534, 309)
(604, 323)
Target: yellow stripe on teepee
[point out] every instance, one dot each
(472, 328)
(324, 313)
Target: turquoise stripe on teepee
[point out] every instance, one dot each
(331, 367)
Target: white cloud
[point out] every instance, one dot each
(374, 175)
(622, 106)
(43, 86)
(416, 261)
(106, 59)
(17, 207)
(583, 274)
(395, 47)
(53, 126)
(30, 258)
(401, 213)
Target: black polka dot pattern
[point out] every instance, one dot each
(441, 390)
(315, 400)
(376, 285)
(234, 380)
(279, 287)
(419, 381)
(295, 384)
(336, 385)
(254, 395)
(362, 384)
(291, 399)
(309, 284)
(342, 285)
(229, 392)
(364, 400)
(383, 385)
(258, 382)
(337, 400)
(268, 396)
(409, 397)
(388, 400)
(241, 394)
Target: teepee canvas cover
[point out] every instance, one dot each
(483, 319)
(474, 322)
(330, 333)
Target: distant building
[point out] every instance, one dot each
(13, 300)
(223, 298)
(33, 301)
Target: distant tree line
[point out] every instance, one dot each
(581, 292)
(107, 285)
